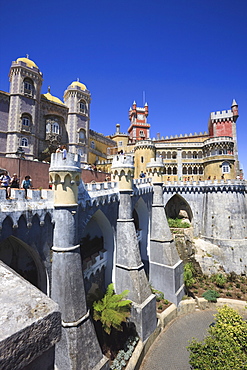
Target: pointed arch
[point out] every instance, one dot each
(141, 220)
(97, 238)
(24, 260)
(176, 204)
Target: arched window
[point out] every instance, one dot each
(174, 155)
(189, 155)
(200, 170)
(225, 167)
(82, 136)
(200, 154)
(92, 144)
(55, 127)
(24, 141)
(83, 106)
(48, 127)
(52, 126)
(183, 154)
(184, 170)
(28, 86)
(25, 121)
(195, 155)
(189, 171)
(195, 170)
(174, 171)
(168, 155)
(142, 159)
(169, 171)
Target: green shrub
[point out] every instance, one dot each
(225, 347)
(112, 310)
(211, 295)
(188, 275)
(159, 295)
(220, 280)
(177, 223)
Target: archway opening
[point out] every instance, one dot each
(97, 247)
(177, 207)
(141, 220)
(24, 260)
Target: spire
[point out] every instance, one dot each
(234, 103)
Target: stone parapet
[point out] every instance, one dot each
(206, 186)
(71, 163)
(30, 324)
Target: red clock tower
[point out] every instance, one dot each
(139, 128)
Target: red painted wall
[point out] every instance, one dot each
(39, 171)
(223, 128)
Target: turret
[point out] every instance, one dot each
(144, 151)
(65, 175)
(78, 98)
(155, 170)
(123, 170)
(23, 125)
(139, 128)
(234, 110)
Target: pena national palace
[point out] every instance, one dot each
(98, 214)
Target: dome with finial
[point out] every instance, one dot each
(79, 84)
(52, 98)
(27, 61)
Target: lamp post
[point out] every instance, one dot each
(20, 153)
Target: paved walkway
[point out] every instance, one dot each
(169, 352)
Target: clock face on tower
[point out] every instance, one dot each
(140, 116)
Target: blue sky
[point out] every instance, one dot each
(189, 56)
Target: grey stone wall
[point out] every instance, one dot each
(30, 324)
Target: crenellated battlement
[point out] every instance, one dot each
(123, 161)
(222, 115)
(206, 186)
(70, 164)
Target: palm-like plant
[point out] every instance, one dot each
(112, 310)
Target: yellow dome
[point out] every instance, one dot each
(52, 98)
(79, 84)
(28, 62)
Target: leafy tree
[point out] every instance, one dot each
(112, 310)
(225, 347)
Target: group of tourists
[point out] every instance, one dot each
(8, 182)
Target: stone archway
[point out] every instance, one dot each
(24, 260)
(141, 221)
(178, 207)
(97, 250)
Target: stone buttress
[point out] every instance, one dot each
(130, 272)
(166, 268)
(79, 347)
